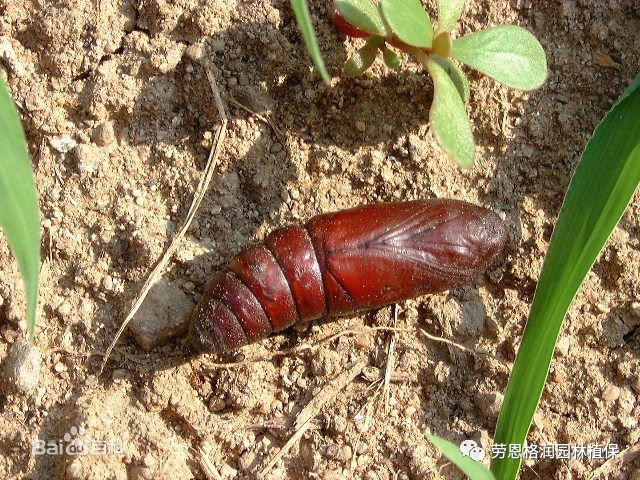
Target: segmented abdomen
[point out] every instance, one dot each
(342, 262)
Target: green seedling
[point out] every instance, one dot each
(19, 211)
(603, 185)
(507, 53)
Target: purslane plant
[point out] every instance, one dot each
(507, 53)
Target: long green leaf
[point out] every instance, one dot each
(601, 188)
(474, 470)
(19, 211)
(363, 14)
(449, 118)
(449, 12)
(409, 21)
(508, 53)
(303, 17)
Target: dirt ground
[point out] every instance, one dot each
(123, 80)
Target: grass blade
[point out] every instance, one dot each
(472, 469)
(508, 53)
(303, 17)
(449, 118)
(19, 211)
(600, 190)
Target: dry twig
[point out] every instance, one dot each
(206, 465)
(259, 116)
(628, 455)
(200, 192)
(391, 358)
(306, 415)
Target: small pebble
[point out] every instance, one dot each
(149, 461)
(104, 134)
(189, 286)
(216, 404)
(275, 147)
(64, 309)
(361, 126)
(489, 403)
(228, 472)
(73, 471)
(140, 473)
(107, 283)
(196, 52)
(164, 314)
(558, 377)
(563, 346)
(247, 461)
(62, 144)
(635, 308)
(119, 374)
(21, 368)
(611, 393)
(88, 158)
(59, 367)
(344, 454)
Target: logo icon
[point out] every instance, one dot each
(75, 445)
(469, 448)
(76, 442)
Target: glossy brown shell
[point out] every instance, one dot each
(342, 262)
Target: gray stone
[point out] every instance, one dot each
(21, 368)
(104, 134)
(164, 314)
(489, 403)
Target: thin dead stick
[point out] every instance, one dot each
(330, 338)
(305, 347)
(447, 341)
(264, 119)
(306, 415)
(390, 362)
(206, 465)
(628, 455)
(199, 194)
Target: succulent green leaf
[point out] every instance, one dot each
(391, 58)
(19, 210)
(375, 41)
(449, 12)
(472, 469)
(363, 14)
(508, 53)
(360, 61)
(600, 190)
(456, 74)
(303, 17)
(409, 21)
(449, 118)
